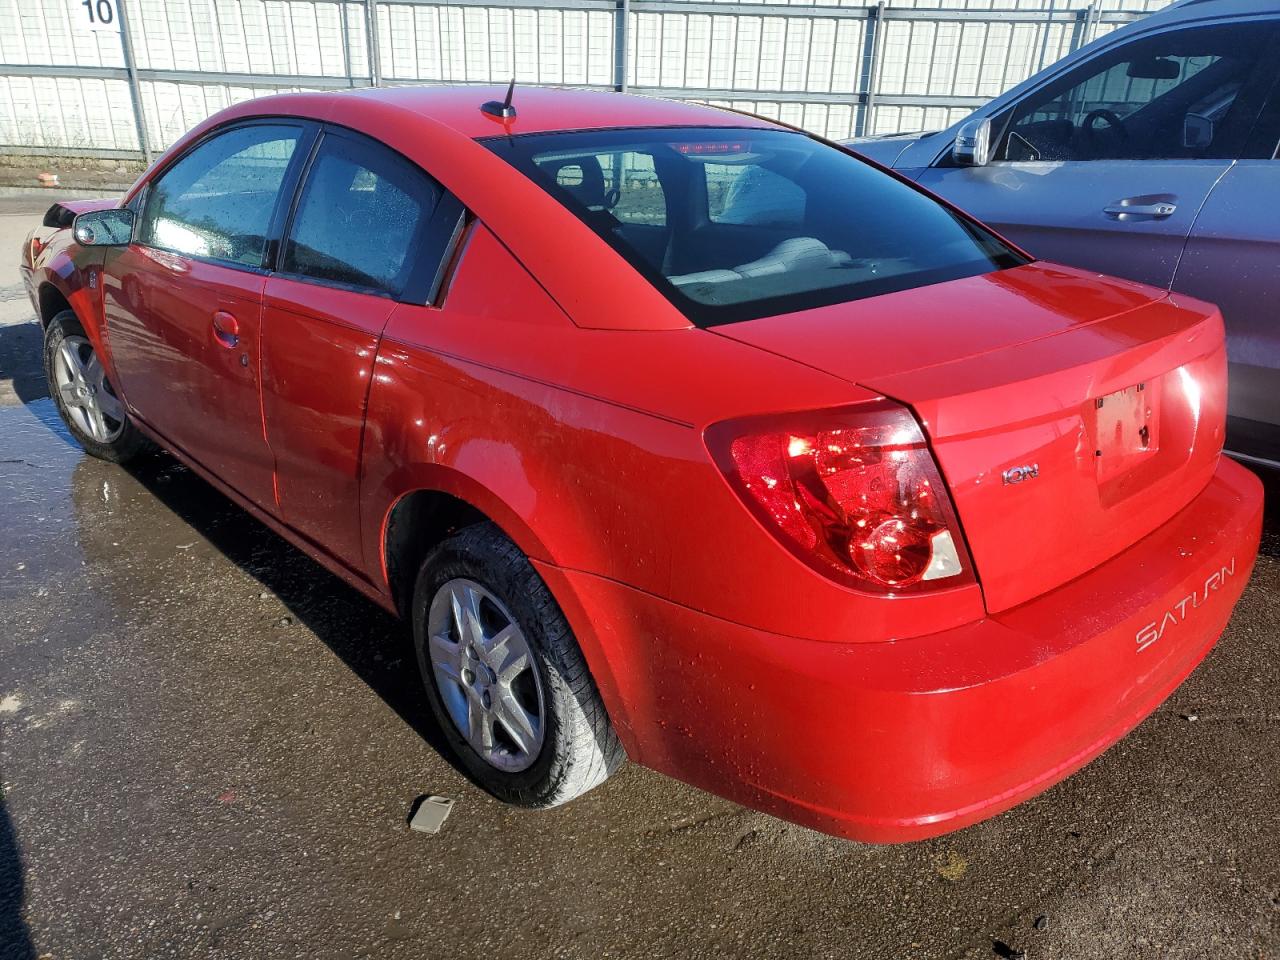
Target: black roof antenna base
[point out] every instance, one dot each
(501, 110)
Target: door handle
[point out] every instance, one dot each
(1127, 208)
(226, 330)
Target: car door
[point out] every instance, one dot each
(368, 231)
(183, 301)
(1107, 166)
(1233, 260)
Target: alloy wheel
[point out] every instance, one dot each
(86, 394)
(484, 669)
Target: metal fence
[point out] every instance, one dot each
(127, 77)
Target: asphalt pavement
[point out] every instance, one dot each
(209, 748)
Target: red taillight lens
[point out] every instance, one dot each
(37, 246)
(854, 493)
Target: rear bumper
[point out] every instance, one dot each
(901, 740)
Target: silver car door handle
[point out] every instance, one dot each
(1157, 211)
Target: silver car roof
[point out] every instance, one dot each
(1215, 8)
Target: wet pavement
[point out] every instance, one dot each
(209, 748)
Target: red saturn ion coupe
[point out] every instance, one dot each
(676, 435)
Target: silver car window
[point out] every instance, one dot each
(1193, 93)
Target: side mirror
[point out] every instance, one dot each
(104, 228)
(973, 144)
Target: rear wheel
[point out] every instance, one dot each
(504, 675)
(85, 398)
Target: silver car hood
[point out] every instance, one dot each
(886, 149)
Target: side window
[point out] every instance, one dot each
(624, 183)
(748, 194)
(1264, 142)
(217, 201)
(360, 216)
(1184, 94)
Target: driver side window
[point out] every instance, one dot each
(217, 201)
(1185, 94)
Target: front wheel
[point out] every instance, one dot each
(85, 398)
(504, 675)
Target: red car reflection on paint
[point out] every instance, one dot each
(676, 435)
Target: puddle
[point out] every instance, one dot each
(39, 464)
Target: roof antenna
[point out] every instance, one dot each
(503, 110)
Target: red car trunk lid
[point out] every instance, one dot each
(1071, 415)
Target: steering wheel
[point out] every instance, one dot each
(1114, 125)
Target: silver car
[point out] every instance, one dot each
(1151, 154)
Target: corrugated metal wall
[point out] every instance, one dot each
(832, 67)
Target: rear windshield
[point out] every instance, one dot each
(735, 224)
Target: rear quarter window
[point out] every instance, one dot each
(359, 218)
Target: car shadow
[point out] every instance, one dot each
(15, 939)
(375, 645)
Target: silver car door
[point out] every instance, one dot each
(1233, 260)
(1107, 166)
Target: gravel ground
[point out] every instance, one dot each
(209, 748)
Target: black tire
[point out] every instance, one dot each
(579, 747)
(122, 446)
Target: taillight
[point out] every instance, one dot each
(37, 246)
(853, 492)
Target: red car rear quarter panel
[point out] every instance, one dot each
(586, 447)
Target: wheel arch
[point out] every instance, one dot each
(53, 301)
(67, 283)
(439, 502)
(63, 287)
(422, 517)
(414, 525)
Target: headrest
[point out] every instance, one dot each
(582, 176)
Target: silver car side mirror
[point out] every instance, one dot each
(973, 144)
